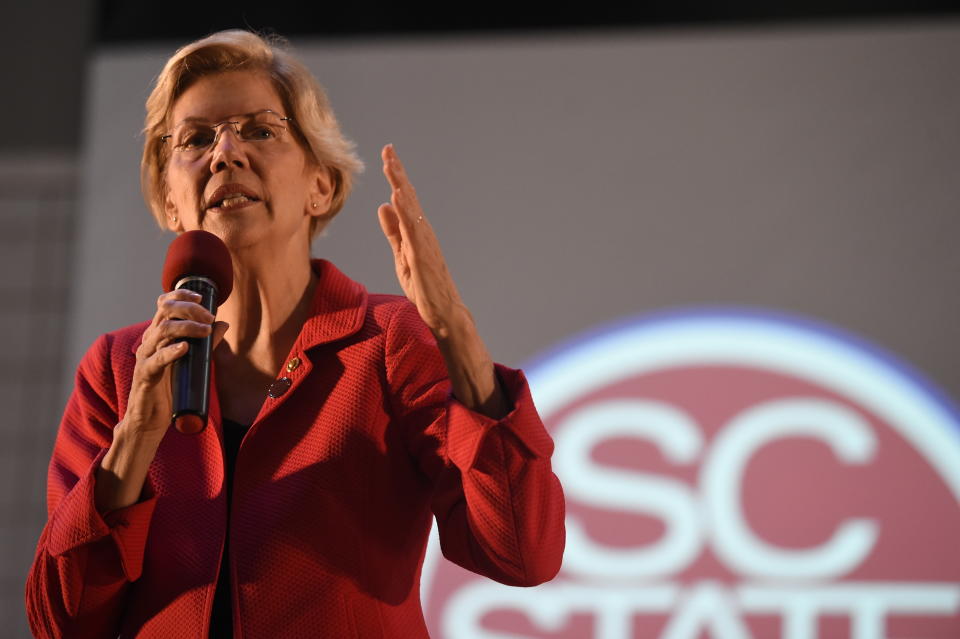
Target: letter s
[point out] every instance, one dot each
(680, 441)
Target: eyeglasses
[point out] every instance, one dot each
(193, 138)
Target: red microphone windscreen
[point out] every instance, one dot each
(199, 253)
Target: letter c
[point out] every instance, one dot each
(851, 440)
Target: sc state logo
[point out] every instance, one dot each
(733, 475)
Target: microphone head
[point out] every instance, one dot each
(199, 253)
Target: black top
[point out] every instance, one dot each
(221, 620)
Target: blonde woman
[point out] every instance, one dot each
(341, 422)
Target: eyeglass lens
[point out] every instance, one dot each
(196, 137)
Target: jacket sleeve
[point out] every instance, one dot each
(499, 507)
(85, 560)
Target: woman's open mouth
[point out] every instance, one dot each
(234, 201)
(228, 197)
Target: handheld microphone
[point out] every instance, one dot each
(200, 262)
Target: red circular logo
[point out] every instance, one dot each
(733, 475)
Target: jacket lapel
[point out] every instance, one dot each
(338, 311)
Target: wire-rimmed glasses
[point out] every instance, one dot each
(193, 137)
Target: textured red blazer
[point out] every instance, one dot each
(336, 483)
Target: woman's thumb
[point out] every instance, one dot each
(219, 330)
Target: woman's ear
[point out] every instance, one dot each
(170, 213)
(321, 191)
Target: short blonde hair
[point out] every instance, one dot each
(314, 124)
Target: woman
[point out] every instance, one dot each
(361, 416)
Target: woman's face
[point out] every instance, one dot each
(279, 184)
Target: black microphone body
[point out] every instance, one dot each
(191, 372)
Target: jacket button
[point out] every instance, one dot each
(293, 364)
(279, 387)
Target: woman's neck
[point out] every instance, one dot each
(267, 309)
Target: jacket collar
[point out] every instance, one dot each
(337, 311)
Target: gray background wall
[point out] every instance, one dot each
(44, 43)
(572, 180)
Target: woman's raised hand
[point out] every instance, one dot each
(420, 266)
(178, 316)
(427, 282)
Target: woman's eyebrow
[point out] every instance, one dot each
(196, 118)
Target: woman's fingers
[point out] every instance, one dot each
(170, 330)
(392, 168)
(150, 370)
(403, 221)
(175, 328)
(182, 304)
(420, 264)
(168, 354)
(404, 196)
(178, 315)
(390, 225)
(166, 344)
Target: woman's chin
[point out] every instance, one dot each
(236, 233)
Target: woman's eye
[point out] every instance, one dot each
(259, 132)
(197, 139)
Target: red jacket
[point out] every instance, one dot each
(336, 484)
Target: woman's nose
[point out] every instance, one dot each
(228, 150)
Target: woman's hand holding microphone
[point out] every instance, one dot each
(137, 437)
